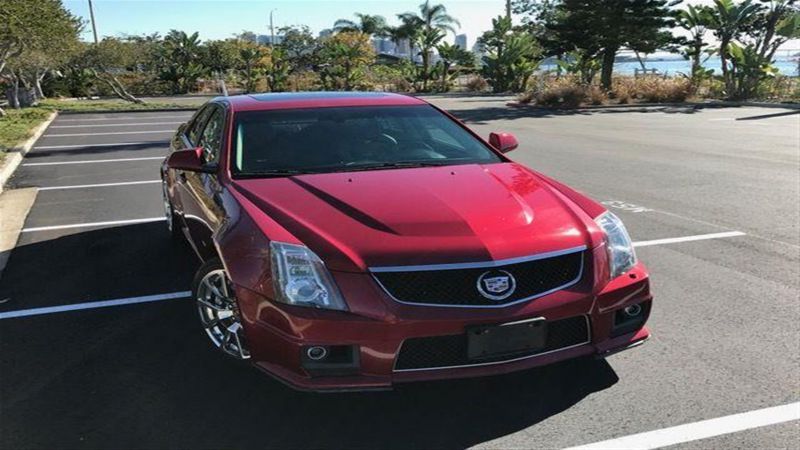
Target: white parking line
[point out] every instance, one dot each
(110, 134)
(94, 224)
(94, 305)
(699, 237)
(86, 186)
(153, 298)
(134, 124)
(96, 119)
(92, 161)
(701, 430)
(115, 144)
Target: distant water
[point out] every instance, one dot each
(786, 66)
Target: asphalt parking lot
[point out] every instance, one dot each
(710, 196)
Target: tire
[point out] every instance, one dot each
(218, 309)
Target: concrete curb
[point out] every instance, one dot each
(14, 157)
(14, 207)
(129, 111)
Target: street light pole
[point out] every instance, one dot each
(94, 27)
(508, 9)
(271, 30)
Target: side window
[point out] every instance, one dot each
(211, 139)
(193, 133)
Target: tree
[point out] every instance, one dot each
(277, 69)
(513, 56)
(728, 20)
(106, 59)
(696, 20)
(408, 30)
(300, 47)
(429, 28)
(453, 58)
(34, 36)
(179, 60)
(749, 35)
(367, 24)
(346, 56)
(251, 65)
(601, 29)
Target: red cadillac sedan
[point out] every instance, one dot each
(352, 241)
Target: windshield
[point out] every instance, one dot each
(285, 142)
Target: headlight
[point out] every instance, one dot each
(621, 256)
(300, 278)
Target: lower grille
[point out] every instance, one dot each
(451, 351)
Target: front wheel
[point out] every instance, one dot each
(219, 311)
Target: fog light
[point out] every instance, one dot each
(630, 318)
(317, 353)
(633, 310)
(330, 360)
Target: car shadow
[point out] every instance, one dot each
(145, 375)
(94, 149)
(47, 269)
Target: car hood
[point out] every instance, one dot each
(432, 215)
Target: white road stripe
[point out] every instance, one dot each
(94, 305)
(701, 430)
(115, 144)
(109, 134)
(699, 237)
(135, 124)
(94, 224)
(96, 119)
(86, 186)
(92, 161)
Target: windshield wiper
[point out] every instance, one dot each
(271, 173)
(392, 165)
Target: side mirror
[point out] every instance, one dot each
(505, 142)
(190, 160)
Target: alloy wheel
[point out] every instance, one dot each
(219, 314)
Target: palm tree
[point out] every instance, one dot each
(727, 20)
(409, 29)
(696, 21)
(367, 24)
(180, 59)
(430, 18)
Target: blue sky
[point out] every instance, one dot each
(216, 19)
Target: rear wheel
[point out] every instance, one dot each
(218, 309)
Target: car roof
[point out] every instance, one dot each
(290, 100)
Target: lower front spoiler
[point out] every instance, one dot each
(360, 383)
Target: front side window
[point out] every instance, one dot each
(197, 125)
(351, 138)
(211, 139)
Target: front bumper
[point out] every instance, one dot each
(278, 334)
